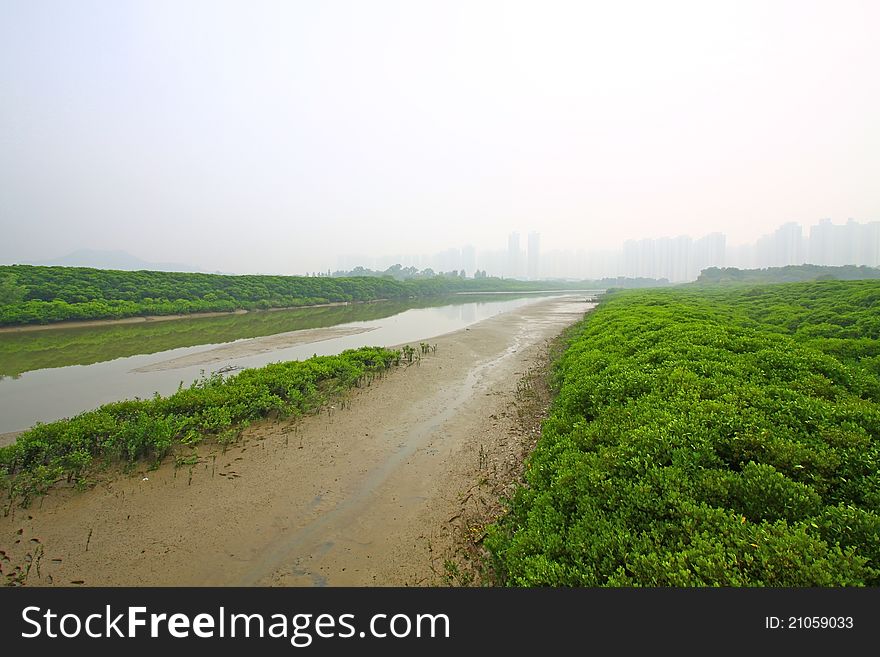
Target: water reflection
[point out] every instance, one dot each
(59, 347)
(80, 369)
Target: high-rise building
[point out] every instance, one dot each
(821, 251)
(680, 266)
(870, 245)
(708, 251)
(676, 259)
(851, 234)
(533, 256)
(789, 245)
(850, 244)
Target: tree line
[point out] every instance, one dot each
(39, 295)
(787, 274)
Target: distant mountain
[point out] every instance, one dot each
(112, 260)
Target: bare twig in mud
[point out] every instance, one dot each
(89, 539)
(38, 554)
(499, 466)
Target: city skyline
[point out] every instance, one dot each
(678, 259)
(269, 137)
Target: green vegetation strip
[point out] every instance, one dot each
(213, 407)
(23, 351)
(41, 295)
(708, 437)
(787, 274)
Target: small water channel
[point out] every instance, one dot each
(52, 374)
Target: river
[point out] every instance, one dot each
(52, 374)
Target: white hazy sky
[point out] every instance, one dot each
(258, 136)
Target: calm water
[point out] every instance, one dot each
(48, 375)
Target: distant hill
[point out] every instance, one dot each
(112, 260)
(789, 274)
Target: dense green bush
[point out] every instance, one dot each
(40, 295)
(788, 274)
(214, 406)
(702, 437)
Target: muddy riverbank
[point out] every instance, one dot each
(369, 492)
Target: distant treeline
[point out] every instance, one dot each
(401, 273)
(788, 274)
(40, 295)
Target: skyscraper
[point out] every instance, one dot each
(870, 245)
(788, 247)
(709, 252)
(822, 243)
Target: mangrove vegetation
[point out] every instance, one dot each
(717, 436)
(215, 408)
(41, 295)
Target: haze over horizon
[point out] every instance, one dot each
(274, 137)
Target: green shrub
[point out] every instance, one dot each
(706, 437)
(218, 407)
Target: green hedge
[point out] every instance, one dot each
(714, 437)
(39, 295)
(214, 406)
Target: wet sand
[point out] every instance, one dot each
(9, 438)
(253, 346)
(370, 492)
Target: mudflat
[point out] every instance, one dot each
(368, 492)
(252, 346)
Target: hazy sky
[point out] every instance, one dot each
(258, 136)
